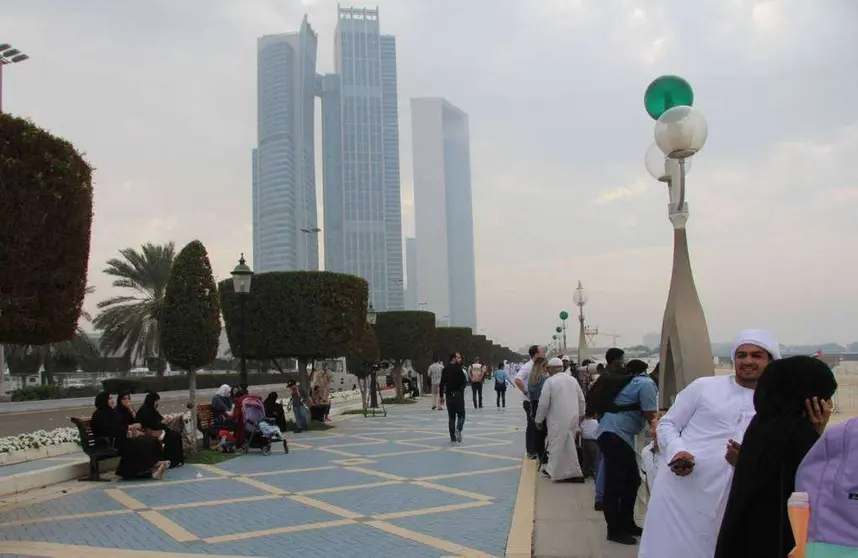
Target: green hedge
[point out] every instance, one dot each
(451, 339)
(46, 209)
(296, 314)
(363, 350)
(408, 334)
(40, 393)
(178, 383)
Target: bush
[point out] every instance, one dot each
(179, 383)
(191, 314)
(40, 393)
(404, 335)
(362, 351)
(451, 339)
(46, 208)
(476, 348)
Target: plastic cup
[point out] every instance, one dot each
(798, 508)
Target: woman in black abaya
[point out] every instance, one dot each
(140, 455)
(150, 419)
(793, 405)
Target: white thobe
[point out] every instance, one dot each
(561, 405)
(684, 513)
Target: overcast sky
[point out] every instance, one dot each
(161, 96)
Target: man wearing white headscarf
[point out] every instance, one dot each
(689, 497)
(561, 406)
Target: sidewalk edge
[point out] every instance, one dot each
(519, 543)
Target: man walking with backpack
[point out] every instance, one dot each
(626, 403)
(476, 377)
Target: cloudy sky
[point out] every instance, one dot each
(161, 97)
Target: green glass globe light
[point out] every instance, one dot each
(666, 92)
(564, 315)
(558, 329)
(554, 337)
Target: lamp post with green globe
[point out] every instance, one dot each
(564, 315)
(680, 133)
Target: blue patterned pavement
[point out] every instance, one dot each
(377, 487)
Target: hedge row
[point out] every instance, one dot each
(180, 383)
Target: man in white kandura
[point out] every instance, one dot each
(435, 370)
(562, 406)
(690, 494)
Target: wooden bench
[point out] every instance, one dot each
(98, 449)
(206, 424)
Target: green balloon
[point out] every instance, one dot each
(558, 329)
(564, 315)
(665, 93)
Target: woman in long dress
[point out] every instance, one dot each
(152, 420)
(141, 456)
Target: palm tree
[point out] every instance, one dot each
(132, 323)
(77, 348)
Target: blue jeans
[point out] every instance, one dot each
(600, 478)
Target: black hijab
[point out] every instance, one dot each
(779, 436)
(148, 416)
(102, 401)
(105, 421)
(123, 411)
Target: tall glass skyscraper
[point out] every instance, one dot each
(444, 211)
(363, 214)
(284, 173)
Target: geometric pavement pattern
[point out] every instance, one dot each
(374, 487)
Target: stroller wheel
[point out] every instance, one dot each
(244, 449)
(285, 447)
(266, 450)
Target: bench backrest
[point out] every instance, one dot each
(84, 429)
(205, 416)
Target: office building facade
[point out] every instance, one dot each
(444, 216)
(362, 205)
(412, 296)
(285, 219)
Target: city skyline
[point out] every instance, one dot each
(443, 211)
(162, 100)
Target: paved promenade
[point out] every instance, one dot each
(377, 487)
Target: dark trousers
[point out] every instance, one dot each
(534, 438)
(590, 454)
(477, 392)
(501, 397)
(622, 481)
(455, 411)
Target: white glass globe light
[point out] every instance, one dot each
(579, 297)
(681, 132)
(660, 167)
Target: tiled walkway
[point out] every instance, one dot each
(390, 486)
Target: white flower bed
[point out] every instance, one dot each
(44, 438)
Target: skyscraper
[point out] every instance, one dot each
(363, 216)
(284, 174)
(412, 296)
(443, 210)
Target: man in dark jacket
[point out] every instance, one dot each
(452, 385)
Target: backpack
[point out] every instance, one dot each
(600, 398)
(829, 474)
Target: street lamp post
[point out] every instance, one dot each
(564, 315)
(579, 297)
(242, 276)
(680, 132)
(8, 55)
(371, 317)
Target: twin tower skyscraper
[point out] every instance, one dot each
(360, 156)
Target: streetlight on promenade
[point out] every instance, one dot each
(579, 297)
(242, 276)
(564, 315)
(680, 132)
(8, 55)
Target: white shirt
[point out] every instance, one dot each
(523, 373)
(590, 429)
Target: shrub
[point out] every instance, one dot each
(178, 383)
(405, 335)
(476, 348)
(296, 314)
(362, 351)
(51, 391)
(191, 317)
(451, 339)
(46, 208)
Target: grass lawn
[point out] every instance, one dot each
(393, 401)
(209, 457)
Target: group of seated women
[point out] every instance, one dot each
(146, 445)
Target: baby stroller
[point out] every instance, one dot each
(259, 433)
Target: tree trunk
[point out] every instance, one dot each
(48, 364)
(364, 399)
(397, 381)
(303, 378)
(162, 364)
(192, 393)
(373, 391)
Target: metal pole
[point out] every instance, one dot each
(1, 86)
(243, 377)
(565, 349)
(2, 369)
(582, 338)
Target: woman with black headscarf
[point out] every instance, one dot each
(140, 455)
(150, 419)
(275, 410)
(792, 403)
(125, 409)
